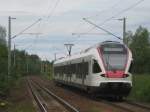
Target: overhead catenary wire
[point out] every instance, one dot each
(89, 34)
(102, 28)
(40, 22)
(26, 28)
(105, 10)
(52, 11)
(121, 12)
(102, 11)
(44, 19)
(29, 46)
(49, 15)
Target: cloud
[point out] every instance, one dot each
(67, 19)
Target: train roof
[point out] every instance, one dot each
(72, 57)
(101, 43)
(84, 52)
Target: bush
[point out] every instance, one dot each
(141, 88)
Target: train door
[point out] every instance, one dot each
(82, 72)
(95, 67)
(90, 66)
(70, 72)
(85, 71)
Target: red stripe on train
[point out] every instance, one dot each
(115, 74)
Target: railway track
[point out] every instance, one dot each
(37, 90)
(124, 106)
(36, 98)
(139, 105)
(128, 106)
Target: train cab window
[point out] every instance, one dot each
(96, 67)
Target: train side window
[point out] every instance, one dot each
(85, 68)
(73, 68)
(79, 70)
(55, 70)
(62, 69)
(96, 67)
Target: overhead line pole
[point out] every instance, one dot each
(69, 48)
(124, 29)
(9, 45)
(14, 55)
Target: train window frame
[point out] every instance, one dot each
(96, 65)
(114, 46)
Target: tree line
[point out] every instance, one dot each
(22, 64)
(139, 43)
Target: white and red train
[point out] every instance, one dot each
(103, 69)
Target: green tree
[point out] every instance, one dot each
(3, 69)
(128, 38)
(2, 35)
(3, 61)
(140, 48)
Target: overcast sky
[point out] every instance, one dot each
(61, 18)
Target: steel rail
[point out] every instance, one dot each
(125, 108)
(113, 103)
(138, 105)
(36, 98)
(60, 100)
(117, 106)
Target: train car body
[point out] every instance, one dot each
(102, 68)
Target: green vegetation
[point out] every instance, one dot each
(141, 88)
(2, 36)
(3, 58)
(3, 62)
(20, 100)
(95, 109)
(22, 64)
(23, 107)
(139, 44)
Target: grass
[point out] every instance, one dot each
(20, 100)
(141, 88)
(47, 76)
(94, 109)
(24, 106)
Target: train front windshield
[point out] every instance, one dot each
(114, 56)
